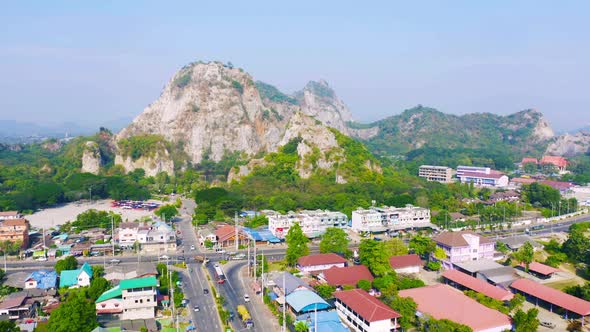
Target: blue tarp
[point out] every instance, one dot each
(328, 321)
(261, 235)
(45, 279)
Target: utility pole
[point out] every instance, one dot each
(248, 260)
(113, 233)
(255, 263)
(284, 305)
(236, 229)
(262, 277)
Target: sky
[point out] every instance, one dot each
(89, 62)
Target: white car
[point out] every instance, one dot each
(193, 247)
(115, 261)
(42, 259)
(246, 298)
(164, 257)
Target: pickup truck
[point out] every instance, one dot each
(201, 259)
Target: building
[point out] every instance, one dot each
(440, 174)
(320, 262)
(76, 278)
(131, 299)
(116, 273)
(304, 301)
(464, 281)
(15, 230)
(263, 236)
(205, 233)
(464, 246)
(515, 242)
(541, 270)
(528, 160)
(346, 276)
(482, 176)
(226, 236)
(327, 321)
(156, 241)
(364, 313)
(18, 307)
(406, 263)
(312, 223)
(563, 187)
(559, 163)
(290, 282)
(444, 302)
(127, 234)
(488, 270)
(552, 299)
(382, 219)
(7, 215)
(41, 279)
(504, 196)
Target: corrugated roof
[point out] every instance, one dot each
(398, 262)
(478, 285)
(45, 279)
(548, 294)
(350, 275)
(110, 294)
(138, 282)
(320, 259)
(445, 302)
(479, 265)
(68, 278)
(305, 300)
(456, 239)
(8, 213)
(13, 302)
(365, 305)
(15, 222)
(491, 175)
(541, 268)
(291, 282)
(327, 321)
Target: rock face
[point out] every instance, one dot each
(317, 99)
(160, 162)
(91, 158)
(570, 144)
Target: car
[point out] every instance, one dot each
(231, 315)
(42, 259)
(220, 251)
(115, 261)
(193, 247)
(246, 298)
(164, 257)
(547, 324)
(180, 258)
(196, 308)
(239, 257)
(205, 291)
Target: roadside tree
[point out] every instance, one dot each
(334, 240)
(296, 244)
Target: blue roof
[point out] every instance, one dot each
(303, 301)
(261, 235)
(328, 321)
(45, 279)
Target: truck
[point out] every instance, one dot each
(201, 259)
(245, 316)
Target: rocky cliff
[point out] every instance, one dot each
(570, 144)
(91, 159)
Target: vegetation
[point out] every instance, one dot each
(183, 79)
(422, 245)
(166, 212)
(374, 255)
(9, 326)
(68, 263)
(335, 240)
(325, 291)
(75, 314)
(92, 218)
(142, 146)
(296, 244)
(273, 94)
(525, 254)
(526, 321)
(238, 86)
(444, 325)
(256, 221)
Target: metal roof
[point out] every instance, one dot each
(45, 279)
(305, 301)
(548, 294)
(477, 285)
(327, 321)
(478, 265)
(291, 282)
(110, 294)
(366, 306)
(139, 282)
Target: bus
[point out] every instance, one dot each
(245, 316)
(219, 276)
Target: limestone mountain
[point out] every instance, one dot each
(570, 144)
(522, 132)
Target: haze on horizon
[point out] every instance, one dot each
(95, 61)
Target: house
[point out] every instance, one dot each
(7, 215)
(504, 196)
(290, 282)
(226, 236)
(131, 299)
(490, 271)
(127, 234)
(76, 278)
(346, 276)
(529, 160)
(464, 246)
(406, 263)
(304, 301)
(319, 262)
(42, 279)
(116, 273)
(563, 187)
(18, 307)
(364, 313)
(156, 241)
(313, 223)
(386, 218)
(443, 302)
(15, 230)
(260, 235)
(481, 176)
(559, 163)
(207, 233)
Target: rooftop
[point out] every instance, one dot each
(9, 214)
(444, 302)
(305, 301)
(491, 175)
(110, 294)
(350, 275)
(478, 265)
(15, 222)
(398, 262)
(291, 282)
(45, 279)
(365, 305)
(320, 259)
(457, 239)
(548, 294)
(541, 268)
(477, 285)
(327, 321)
(139, 282)
(516, 241)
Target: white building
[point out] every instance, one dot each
(441, 174)
(10, 215)
(127, 234)
(482, 176)
(131, 299)
(320, 262)
(364, 313)
(156, 241)
(382, 219)
(313, 223)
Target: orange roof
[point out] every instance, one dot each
(320, 259)
(541, 268)
(350, 275)
(366, 306)
(15, 222)
(548, 294)
(8, 213)
(523, 180)
(554, 160)
(478, 285)
(226, 232)
(526, 160)
(444, 302)
(398, 262)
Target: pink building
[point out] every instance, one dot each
(465, 246)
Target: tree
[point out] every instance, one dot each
(373, 255)
(301, 326)
(577, 246)
(422, 245)
(97, 271)
(9, 326)
(208, 244)
(296, 244)
(525, 254)
(325, 291)
(444, 325)
(334, 240)
(396, 247)
(167, 212)
(516, 302)
(526, 321)
(2, 274)
(75, 314)
(97, 287)
(68, 263)
(406, 307)
(433, 266)
(439, 253)
(364, 284)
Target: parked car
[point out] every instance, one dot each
(220, 251)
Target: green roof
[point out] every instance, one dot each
(68, 278)
(138, 283)
(110, 294)
(88, 269)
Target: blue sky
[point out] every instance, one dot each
(92, 61)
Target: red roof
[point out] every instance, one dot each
(492, 175)
(541, 268)
(365, 305)
(9, 213)
(398, 262)
(554, 160)
(523, 180)
(109, 311)
(320, 259)
(559, 185)
(350, 275)
(526, 160)
(478, 285)
(548, 294)
(444, 302)
(15, 222)
(227, 232)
